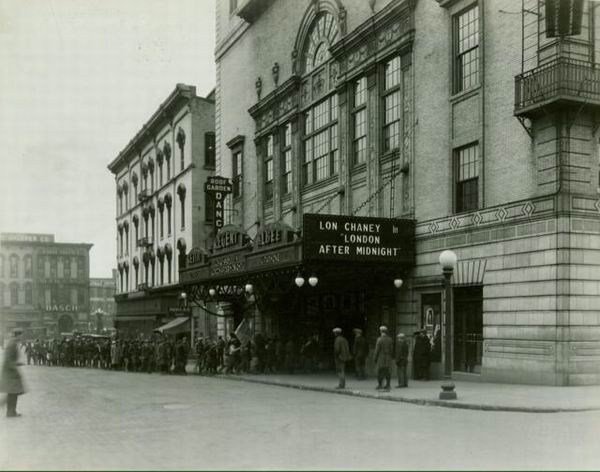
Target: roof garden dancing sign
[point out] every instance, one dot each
(358, 239)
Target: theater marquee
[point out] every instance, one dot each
(358, 239)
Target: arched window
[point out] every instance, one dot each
(145, 176)
(181, 193)
(167, 154)
(146, 261)
(168, 203)
(161, 210)
(152, 212)
(126, 269)
(151, 170)
(28, 294)
(120, 269)
(152, 264)
(120, 230)
(74, 268)
(60, 268)
(169, 254)
(159, 161)
(14, 294)
(14, 266)
(136, 223)
(160, 254)
(120, 198)
(126, 195)
(136, 267)
(134, 181)
(126, 229)
(323, 33)
(145, 215)
(181, 143)
(181, 246)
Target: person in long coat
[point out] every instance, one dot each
(341, 355)
(11, 382)
(402, 361)
(360, 351)
(383, 357)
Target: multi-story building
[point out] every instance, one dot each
(44, 285)
(457, 124)
(161, 209)
(102, 302)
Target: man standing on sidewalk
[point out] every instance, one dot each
(360, 351)
(341, 355)
(10, 378)
(383, 359)
(402, 361)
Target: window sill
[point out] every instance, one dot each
(359, 168)
(464, 94)
(209, 167)
(320, 184)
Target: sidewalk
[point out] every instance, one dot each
(471, 395)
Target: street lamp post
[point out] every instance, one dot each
(448, 262)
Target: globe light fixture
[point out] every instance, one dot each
(212, 292)
(313, 280)
(299, 281)
(448, 260)
(249, 288)
(398, 282)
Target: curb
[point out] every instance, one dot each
(414, 401)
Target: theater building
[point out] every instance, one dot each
(362, 139)
(44, 285)
(161, 210)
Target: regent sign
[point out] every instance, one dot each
(351, 238)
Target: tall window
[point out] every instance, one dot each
(168, 202)
(61, 268)
(209, 208)
(269, 168)
(136, 224)
(161, 210)
(359, 113)
(237, 174)
(14, 294)
(466, 49)
(28, 294)
(28, 266)
(391, 104)
(181, 190)
(167, 154)
(14, 266)
(127, 277)
(320, 141)
(286, 159)
(181, 144)
(466, 178)
(126, 228)
(209, 149)
(159, 161)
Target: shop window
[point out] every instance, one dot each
(391, 104)
(320, 141)
(466, 49)
(286, 159)
(466, 177)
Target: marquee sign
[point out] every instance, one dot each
(358, 239)
(219, 188)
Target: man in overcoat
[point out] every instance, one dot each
(341, 355)
(360, 351)
(10, 378)
(402, 360)
(384, 354)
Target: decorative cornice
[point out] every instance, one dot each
(289, 86)
(236, 141)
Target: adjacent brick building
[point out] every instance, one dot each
(44, 285)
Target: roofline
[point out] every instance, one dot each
(181, 90)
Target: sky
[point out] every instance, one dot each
(78, 79)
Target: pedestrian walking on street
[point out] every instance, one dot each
(360, 351)
(402, 361)
(384, 350)
(10, 378)
(341, 355)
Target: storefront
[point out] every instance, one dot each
(339, 271)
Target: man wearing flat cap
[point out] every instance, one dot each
(384, 352)
(360, 351)
(10, 378)
(341, 355)
(402, 360)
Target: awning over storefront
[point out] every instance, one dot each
(178, 325)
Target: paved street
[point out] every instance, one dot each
(94, 419)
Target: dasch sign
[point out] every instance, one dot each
(358, 239)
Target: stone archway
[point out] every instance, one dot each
(65, 324)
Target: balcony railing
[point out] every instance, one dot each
(562, 79)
